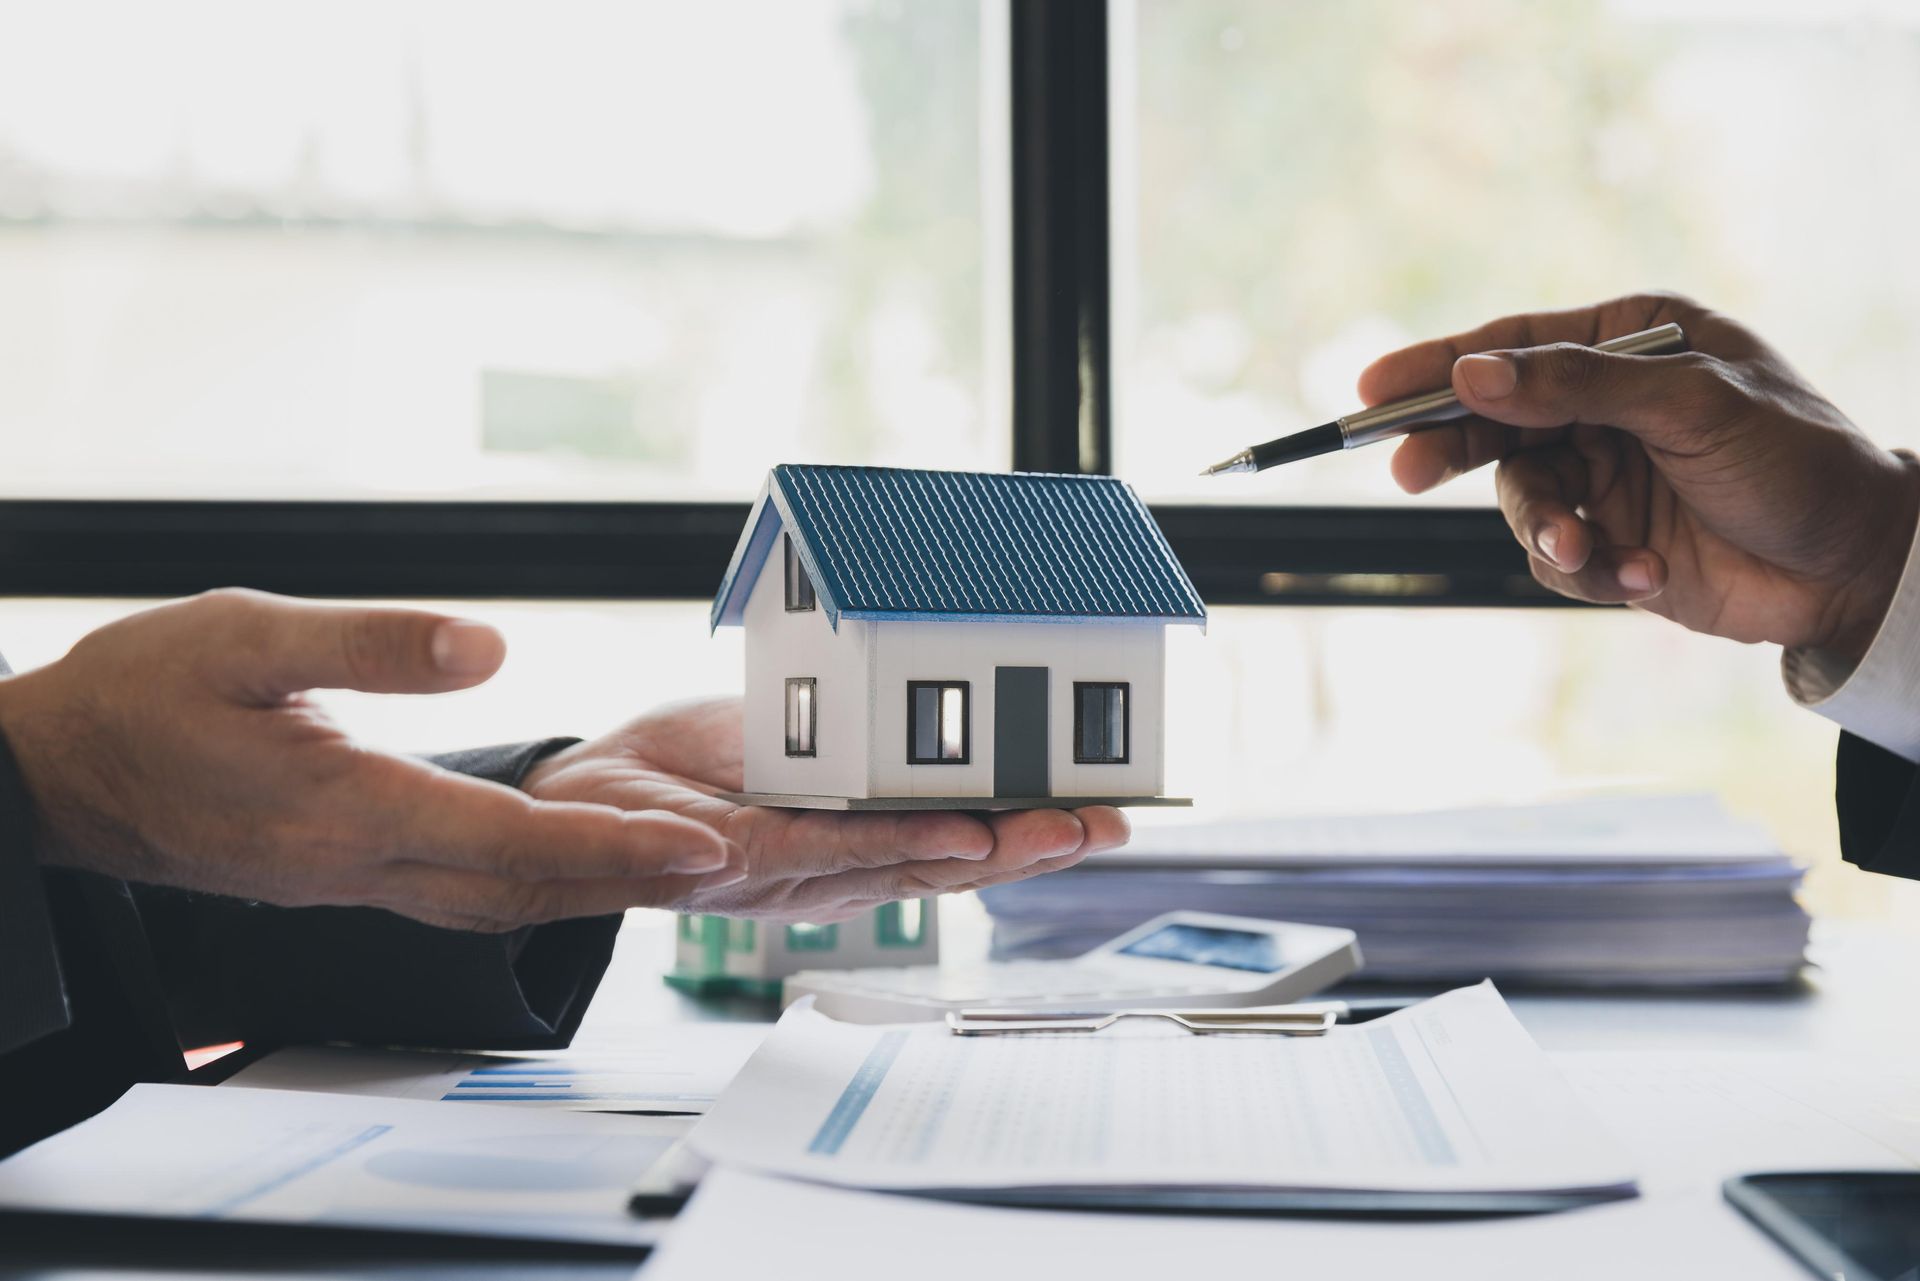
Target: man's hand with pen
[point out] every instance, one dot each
(1715, 487)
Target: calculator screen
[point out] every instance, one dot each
(1211, 945)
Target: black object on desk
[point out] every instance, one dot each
(44, 1242)
(1846, 1225)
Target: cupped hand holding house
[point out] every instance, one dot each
(808, 865)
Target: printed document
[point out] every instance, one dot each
(185, 1151)
(1450, 1096)
(657, 1070)
(1691, 1120)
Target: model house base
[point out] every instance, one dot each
(789, 800)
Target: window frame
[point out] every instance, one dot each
(966, 721)
(1080, 689)
(1061, 388)
(812, 685)
(800, 597)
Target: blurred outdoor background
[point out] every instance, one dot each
(279, 249)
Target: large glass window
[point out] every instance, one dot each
(1302, 187)
(428, 249)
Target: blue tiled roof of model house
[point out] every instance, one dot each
(891, 543)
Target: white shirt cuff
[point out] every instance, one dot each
(1879, 700)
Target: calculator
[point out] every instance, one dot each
(1198, 959)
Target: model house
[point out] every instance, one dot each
(930, 640)
(715, 955)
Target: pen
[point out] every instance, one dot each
(1415, 413)
(1308, 1018)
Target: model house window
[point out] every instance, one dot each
(800, 595)
(740, 935)
(937, 723)
(812, 938)
(902, 924)
(1100, 722)
(802, 715)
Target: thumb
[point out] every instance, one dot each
(381, 651)
(1660, 399)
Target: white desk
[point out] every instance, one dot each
(1858, 1007)
(1711, 1116)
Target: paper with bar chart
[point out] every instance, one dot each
(1450, 1096)
(676, 1070)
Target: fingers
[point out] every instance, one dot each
(1610, 576)
(286, 646)
(1107, 828)
(431, 815)
(1538, 371)
(1540, 491)
(456, 899)
(1024, 843)
(1433, 457)
(1675, 404)
(1669, 402)
(1539, 500)
(1425, 366)
(817, 842)
(1104, 828)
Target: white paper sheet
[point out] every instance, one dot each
(278, 1156)
(678, 1069)
(1689, 1120)
(1450, 1096)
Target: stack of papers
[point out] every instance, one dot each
(1659, 891)
(1445, 1106)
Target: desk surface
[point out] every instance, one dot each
(1855, 1005)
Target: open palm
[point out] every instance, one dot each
(807, 865)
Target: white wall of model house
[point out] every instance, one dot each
(903, 651)
(782, 644)
(861, 675)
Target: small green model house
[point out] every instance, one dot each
(716, 955)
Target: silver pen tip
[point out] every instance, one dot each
(1242, 461)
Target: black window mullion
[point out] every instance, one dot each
(1062, 273)
(678, 551)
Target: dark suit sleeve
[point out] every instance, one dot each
(247, 971)
(33, 1000)
(1878, 796)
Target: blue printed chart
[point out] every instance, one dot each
(677, 1070)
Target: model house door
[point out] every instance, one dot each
(1020, 731)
